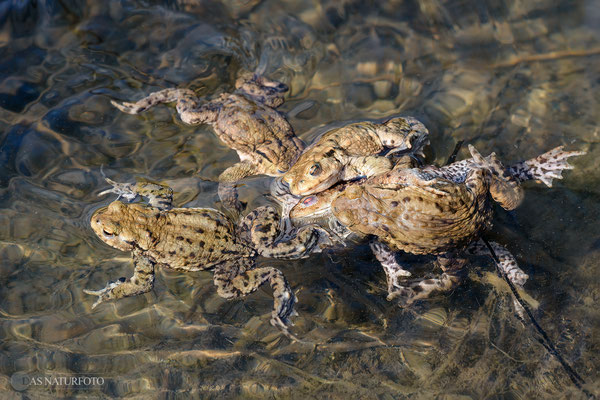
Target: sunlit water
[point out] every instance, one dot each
(516, 77)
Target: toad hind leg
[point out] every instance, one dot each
(233, 280)
(238, 171)
(545, 167)
(504, 188)
(187, 105)
(262, 89)
(393, 270)
(264, 230)
(142, 281)
(507, 264)
(421, 289)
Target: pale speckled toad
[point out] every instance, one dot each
(245, 120)
(353, 151)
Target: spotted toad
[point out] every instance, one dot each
(194, 239)
(430, 210)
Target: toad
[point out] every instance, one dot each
(195, 239)
(351, 152)
(246, 120)
(430, 210)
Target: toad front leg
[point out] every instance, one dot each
(227, 181)
(262, 89)
(142, 281)
(401, 134)
(397, 134)
(234, 279)
(159, 196)
(366, 166)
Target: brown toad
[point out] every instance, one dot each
(194, 239)
(352, 151)
(430, 210)
(245, 120)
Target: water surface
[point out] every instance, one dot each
(514, 77)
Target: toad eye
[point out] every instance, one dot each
(107, 233)
(309, 201)
(315, 169)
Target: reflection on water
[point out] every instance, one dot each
(515, 77)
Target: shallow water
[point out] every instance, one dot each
(515, 77)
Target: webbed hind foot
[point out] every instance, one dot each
(422, 289)
(545, 167)
(506, 263)
(393, 270)
(234, 280)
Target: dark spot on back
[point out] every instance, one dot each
(265, 228)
